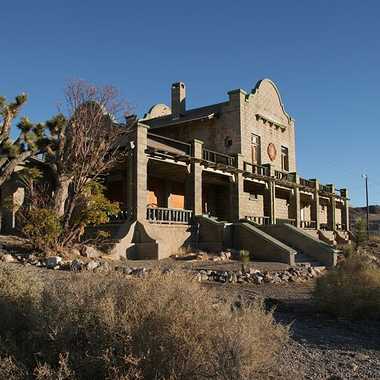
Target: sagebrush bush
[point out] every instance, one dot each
(42, 228)
(159, 327)
(352, 290)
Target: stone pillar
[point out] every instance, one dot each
(196, 178)
(332, 208)
(297, 202)
(346, 212)
(270, 200)
(237, 193)
(137, 174)
(270, 195)
(316, 205)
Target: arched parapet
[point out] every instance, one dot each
(268, 103)
(157, 110)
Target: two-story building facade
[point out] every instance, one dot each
(230, 161)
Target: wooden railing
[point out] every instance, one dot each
(176, 144)
(308, 224)
(218, 158)
(261, 220)
(283, 176)
(307, 183)
(324, 226)
(121, 217)
(168, 215)
(325, 188)
(256, 169)
(286, 221)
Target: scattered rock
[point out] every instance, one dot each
(90, 252)
(103, 267)
(76, 266)
(92, 265)
(8, 258)
(53, 262)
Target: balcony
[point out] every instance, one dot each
(325, 188)
(256, 169)
(284, 176)
(308, 224)
(168, 215)
(286, 221)
(261, 220)
(167, 147)
(307, 183)
(218, 158)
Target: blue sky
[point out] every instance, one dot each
(324, 56)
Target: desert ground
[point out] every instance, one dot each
(320, 347)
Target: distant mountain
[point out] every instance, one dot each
(361, 212)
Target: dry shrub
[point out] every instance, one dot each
(20, 294)
(159, 327)
(10, 370)
(351, 290)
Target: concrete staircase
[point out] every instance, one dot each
(303, 243)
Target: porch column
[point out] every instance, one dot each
(270, 195)
(346, 212)
(196, 177)
(332, 208)
(297, 201)
(316, 205)
(137, 174)
(237, 193)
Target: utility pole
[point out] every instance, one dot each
(366, 198)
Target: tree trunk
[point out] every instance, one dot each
(60, 195)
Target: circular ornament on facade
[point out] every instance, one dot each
(272, 151)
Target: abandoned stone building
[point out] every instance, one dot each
(223, 176)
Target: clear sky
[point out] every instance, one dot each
(324, 56)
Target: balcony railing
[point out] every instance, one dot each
(307, 183)
(168, 215)
(286, 221)
(325, 188)
(308, 224)
(162, 143)
(256, 169)
(261, 220)
(324, 226)
(218, 158)
(283, 176)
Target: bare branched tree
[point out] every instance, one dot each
(84, 143)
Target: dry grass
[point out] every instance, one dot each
(351, 290)
(161, 327)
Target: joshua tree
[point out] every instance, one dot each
(30, 140)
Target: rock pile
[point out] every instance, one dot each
(300, 273)
(254, 276)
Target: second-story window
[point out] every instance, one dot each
(256, 149)
(284, 159)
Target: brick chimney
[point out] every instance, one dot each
(178, 99)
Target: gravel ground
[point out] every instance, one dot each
(319, 347)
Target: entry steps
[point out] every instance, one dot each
(280, 242)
